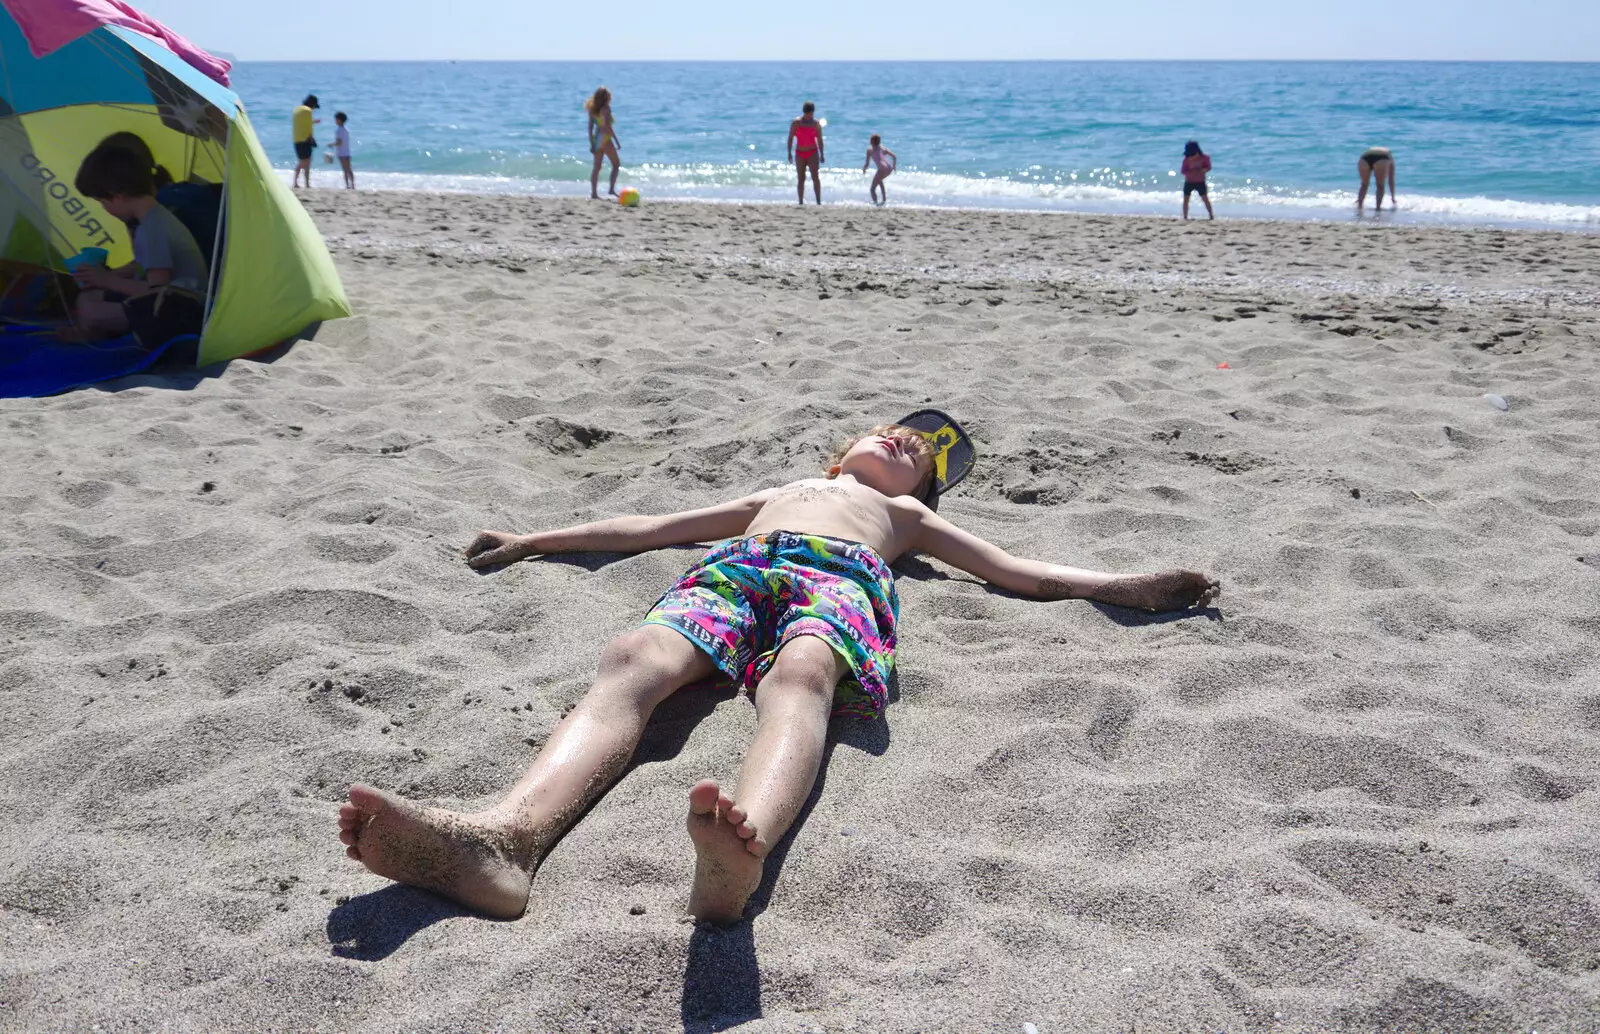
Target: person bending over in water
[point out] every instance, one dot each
(799, 605)
(805, 150)
(603, 142)
(885, 160)
(1376, 161)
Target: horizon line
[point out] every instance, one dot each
(920, 60)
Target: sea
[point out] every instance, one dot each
(1478, 143)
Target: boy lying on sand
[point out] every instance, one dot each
(799, 602)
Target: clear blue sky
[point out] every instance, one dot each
(752, 30)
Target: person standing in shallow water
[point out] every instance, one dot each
(341, 149)
(305, 137)
(1375, 162)
(1196, 163)
(799, 605)
(805, 150)
(603, 142)
(885, 160)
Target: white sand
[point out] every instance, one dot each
(1359, 795)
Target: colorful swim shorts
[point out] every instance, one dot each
(749, 597)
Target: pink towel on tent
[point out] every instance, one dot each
(50, 25)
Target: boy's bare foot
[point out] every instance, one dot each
(1168, 590)
(463, 858)
(727, 868)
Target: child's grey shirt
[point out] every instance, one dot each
(162, 242)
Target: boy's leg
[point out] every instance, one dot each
(486, 860)
(101, 318)
(733, 835)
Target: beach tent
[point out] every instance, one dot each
(74, 71)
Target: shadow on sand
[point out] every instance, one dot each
(181, 376)
(374, 926)
(722, 978)
(1129, 617)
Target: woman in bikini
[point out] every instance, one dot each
(603, 142)
(1376, 161)
(805, 150)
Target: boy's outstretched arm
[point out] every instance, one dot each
(634, 534)
(1167, 590)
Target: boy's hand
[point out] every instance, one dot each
(94, 276)
(498, 547)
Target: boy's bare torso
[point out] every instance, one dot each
(842, 509)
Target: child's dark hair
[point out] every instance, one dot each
(1191, 149)
(808, 107)
(876, 140)
(135, 145)
(340, 116)
(112, 171)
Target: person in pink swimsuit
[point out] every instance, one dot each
(885, 160)
(1196, 163)
(805, 150)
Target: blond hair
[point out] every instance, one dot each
(599, 102)
(918, 446)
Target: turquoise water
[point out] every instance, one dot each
(1483, 143)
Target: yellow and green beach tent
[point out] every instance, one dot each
(271, 274)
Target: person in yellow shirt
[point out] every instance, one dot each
(305, 140)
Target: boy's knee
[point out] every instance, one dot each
(635, 651)
(805, 667)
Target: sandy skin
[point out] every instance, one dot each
(472, 859)
(728, 855)
(1164, 591)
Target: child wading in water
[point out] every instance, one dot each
(885, 160)
(800, 602)
(341, 149)
(1195, 166)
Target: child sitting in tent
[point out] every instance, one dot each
(161, 294)
(196, 203)
(800, 600)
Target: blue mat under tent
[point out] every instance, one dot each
(34, 364)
